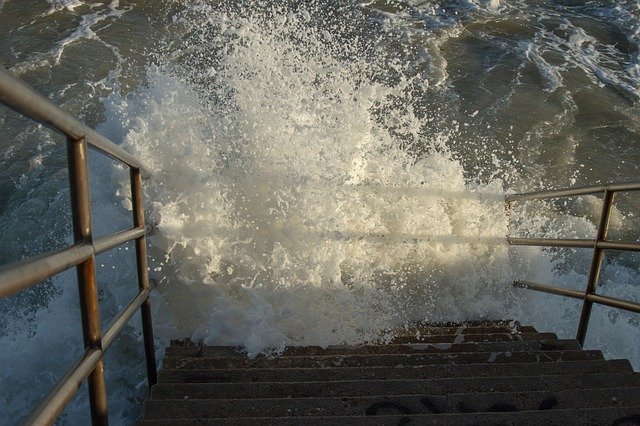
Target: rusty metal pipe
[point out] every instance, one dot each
(561, 291)
(122, 319)
(87, 282)
(21, 275)
(614, 302)
(143, 277)
(573, 243)
(573, 192)
(29, 272)
(615, 245)
(575, 294)
(596, 265)
(23, 99)
(108, 242)
(26, 273)
(55, 401)
(551, 242)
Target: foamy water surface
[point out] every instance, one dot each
(321, 173)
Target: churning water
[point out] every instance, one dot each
(322, 172)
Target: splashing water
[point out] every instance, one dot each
(289, 213)
(322, 174)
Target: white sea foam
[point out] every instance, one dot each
(299, 219)
(84, 31)
(583, 51)
(299, 200)
(69, 5)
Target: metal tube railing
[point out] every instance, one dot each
(65, 389)
(27, 273)
(123, 318)
(551, 242)
(549, 289)
(77, 157)
(143, 276)
(577, 243)
(575, 294)
(596, 264)
(599, 245)
(18, 96)
(614, 302)
(108, 242)
(55, 401)
(573, 192)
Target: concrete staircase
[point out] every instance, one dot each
(474, 373)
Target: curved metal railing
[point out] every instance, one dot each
(30, 272)
(599, 245)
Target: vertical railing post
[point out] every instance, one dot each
(143, 276)
(596, 264)
(87, 282)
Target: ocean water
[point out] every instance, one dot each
(321, 172)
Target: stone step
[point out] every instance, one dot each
(428, 332)
(409, 348)
(195, 391)
(406, 372)
(440, 340)
(471, 327)
(462, 329)
(470, 338)
(510, 324)
(390, 405)
(591, 416)
(380, 360)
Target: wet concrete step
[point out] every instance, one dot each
(470, 338)
(408, 348)
(181, 349)
(406, 372)
(507, 323)
(202, 363)
(463, 329)
(592, 416)
(471, 327)
(392, 387)
(443, 374)
(389, 405)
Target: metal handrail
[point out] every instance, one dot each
(572, 192)
(18, 96)
(599, 245)
(25, 274)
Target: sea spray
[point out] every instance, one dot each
(322, 172)
(290, 211)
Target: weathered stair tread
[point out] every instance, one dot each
(591, 416)
(392, 387)
(509, 324)
(401, 404)
(470, 338)
(463, 329)
(381, 359)
(427, 333)
(441, 374)
(444, 339)
(407, 348)
(470, 327)
(407, 372)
